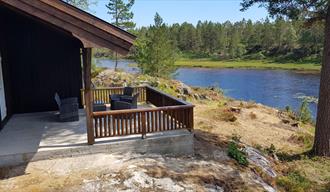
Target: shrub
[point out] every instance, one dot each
(290, 112)
(96, 70)
(305, 115)
(255, 56)
(271, 149)
(293, 182)
(237, 154)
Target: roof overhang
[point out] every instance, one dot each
(90, 30)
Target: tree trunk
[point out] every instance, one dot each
(322, 132)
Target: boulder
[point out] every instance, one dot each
(184, 89)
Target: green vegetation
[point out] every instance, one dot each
(304, 139)
(293, 182)
(81, 4)
(121, 16)
(121, 13)
(271, 149)
(304, 114)
(237, 154)
(95, 69)
(103, 53)
(255, 64)
(282, 40)
(155, 52)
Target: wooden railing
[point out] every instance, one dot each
(102, 94)
(161, 99)
(142, 121)
(168, 114)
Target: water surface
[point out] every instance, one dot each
(275, 88)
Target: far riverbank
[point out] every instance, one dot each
(306, 67)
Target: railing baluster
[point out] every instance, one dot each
(152, 120)
(114, 125)
(156, 121)
(173, 120)
(139, 125)
(167, 120)
(109, 125)
(134, 122)
(118, 124)
(163, 120)
(96, 126)
(126, 124)
(147, 122)
(144, 132)
(183, 118)
(105, 123)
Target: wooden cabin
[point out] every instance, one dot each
(45, 47)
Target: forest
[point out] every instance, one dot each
(279, 39)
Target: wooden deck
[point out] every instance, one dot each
(168, 113)
(37, 136)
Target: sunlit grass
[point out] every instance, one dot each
(247, 64)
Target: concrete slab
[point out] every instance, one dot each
(38, 136)
(27, 133)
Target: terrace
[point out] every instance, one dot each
(162, 121)
(157, 112)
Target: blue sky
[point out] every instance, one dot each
(179, 11)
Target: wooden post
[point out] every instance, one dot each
(191, 119)
(87, 65)
(144, 131)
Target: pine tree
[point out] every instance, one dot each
(81, 4)
(121, 16)
(155, 53)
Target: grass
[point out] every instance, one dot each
(236, 153)
(293, 182)
(249, 64)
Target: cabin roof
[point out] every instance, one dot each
(90, 30)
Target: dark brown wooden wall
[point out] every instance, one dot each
(38, 60)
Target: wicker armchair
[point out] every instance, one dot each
(68, 108)
(128, 92)
(125, 103)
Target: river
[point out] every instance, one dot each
(275, 88)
